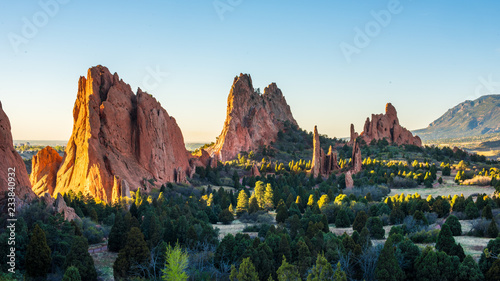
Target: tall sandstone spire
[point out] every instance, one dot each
(317, 158)
(12, 166)
(120, 141)
(252, 119)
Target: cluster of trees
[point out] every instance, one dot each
(47, 246)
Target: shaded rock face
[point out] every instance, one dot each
(203, 159)
(252, 119)
(119, 138)
(59, 205)
(11, 162)
(386, 126)
(349, 182)
(44, 170)
(255, 171)
(356, 158)
(330, 163)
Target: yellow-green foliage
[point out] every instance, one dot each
(340, 199)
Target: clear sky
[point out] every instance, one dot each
(337, 62)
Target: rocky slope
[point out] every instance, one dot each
(252, 119)
(386, 126)
(121, 141)
(469, 118)
(12, 166)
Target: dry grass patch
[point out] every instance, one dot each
(234, 228)
(447, 188)
(104, 265)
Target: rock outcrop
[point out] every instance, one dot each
(323, 164)
(255, 171)
(44, 171)
(59, 206)
(12, 166)
(331, 163)
(356, 158)
(386, 126)
(119, 140)
(252, 119)
(318, 153)
(349, 182)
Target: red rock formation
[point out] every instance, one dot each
(44, 170)
(251, 119)
(255, 171)
(119, 138)
(317, 154)
(12, 166)
(202, 159)
(386, 126)
(356, 158)
(322, 164)
(59, 205)
(330, 162)
(354, 135)
(349, 182)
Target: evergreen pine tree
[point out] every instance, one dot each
(71, 274)
(80, 258)
(135, 252)
(486, 213)
(445, 241)
(360, 221)
(246, 271)
(287, 272)
(454, 224)
(387, 265)
(304, 257)
(281, 212)
(116, 236)
(321, 271)
(339, 274)
(469, 270)
(342, 219)
(471, 210)
(493, 274)
(253, 205)
(376, 228)
(492, 231)
(364, 238)
(38, 254)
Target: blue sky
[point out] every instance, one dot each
(423, 56)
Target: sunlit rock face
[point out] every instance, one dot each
(44, 166)
(121, 141)
(12, 167)
(386, 126)
(252, 119)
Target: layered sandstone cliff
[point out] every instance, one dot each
(386, 126)
(252, 119)
(12, 167)
(121, 141)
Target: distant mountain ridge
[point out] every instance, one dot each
(469, 118)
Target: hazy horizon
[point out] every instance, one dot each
(336, 62)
